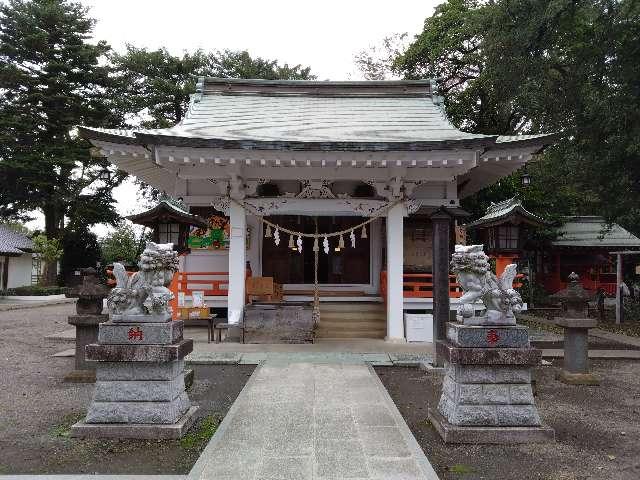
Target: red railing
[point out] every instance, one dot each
(420, 285)
(213, 284)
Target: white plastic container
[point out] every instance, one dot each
(419, 327)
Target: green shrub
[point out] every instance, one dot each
(33, 290)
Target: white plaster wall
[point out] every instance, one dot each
(19, 271)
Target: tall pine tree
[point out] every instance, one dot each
(51, 80)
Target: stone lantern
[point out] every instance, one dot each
(574, 300)
(90, 294)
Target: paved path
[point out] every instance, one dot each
(302, 421)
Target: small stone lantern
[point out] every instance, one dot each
(90, 294)
(574, 300)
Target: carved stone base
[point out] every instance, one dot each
(175, 430)
(487, 395)
(490, 435)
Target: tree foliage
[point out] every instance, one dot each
(49, 251)
(531, 66)
(52, 78)
(121, 245)
(158, 84)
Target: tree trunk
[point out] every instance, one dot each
(51, 230)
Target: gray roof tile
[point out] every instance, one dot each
(12, 242)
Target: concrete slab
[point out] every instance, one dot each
(303, 420)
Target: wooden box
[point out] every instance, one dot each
(185, 313)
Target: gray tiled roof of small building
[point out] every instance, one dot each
(591, 231)
(12, 242)
(503, 209)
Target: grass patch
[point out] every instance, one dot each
(461, 469)
(63, 429)
(631, 329)
(199, 436)
(425, 423)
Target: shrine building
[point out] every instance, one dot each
(374, 165)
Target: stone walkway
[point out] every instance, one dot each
(304, 421)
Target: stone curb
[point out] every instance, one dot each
(62, 301)
(417, 453)
(208, 453)
(95, 477)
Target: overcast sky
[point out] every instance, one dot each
(324, 34)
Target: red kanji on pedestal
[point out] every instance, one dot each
(135, 334)
(492, 336)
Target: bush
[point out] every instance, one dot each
(33, 290)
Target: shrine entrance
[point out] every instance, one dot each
(341, 266)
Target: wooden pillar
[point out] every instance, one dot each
(619, 296)
(441, 257)
(5, 273)
(395, 274)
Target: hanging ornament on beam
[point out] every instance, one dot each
(299, 243)
(325, 245)
(276, 237)
(352, 237)
(341, 242)
(267, 231)
(291, 244)
(364, 232)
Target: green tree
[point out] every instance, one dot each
(160, 84)
(49, 251)
(53, 78)
(121, 245)
(81, 249)
(531, 66)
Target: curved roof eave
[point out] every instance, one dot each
(129, 137)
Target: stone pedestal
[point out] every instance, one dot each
(575, 369)
(90, 294)
(278, 323)
(86, 334)
(486, 393)
(140, 390)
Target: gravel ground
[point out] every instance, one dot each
(37, 407)
(597, 428)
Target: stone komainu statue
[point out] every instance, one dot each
(145, 292)
(473, 273)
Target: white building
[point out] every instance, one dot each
(307, 155)
(16, 259)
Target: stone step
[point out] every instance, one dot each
(352, 307)
(352, 317)
(354, 328)
(360, 324)
(350, 334)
